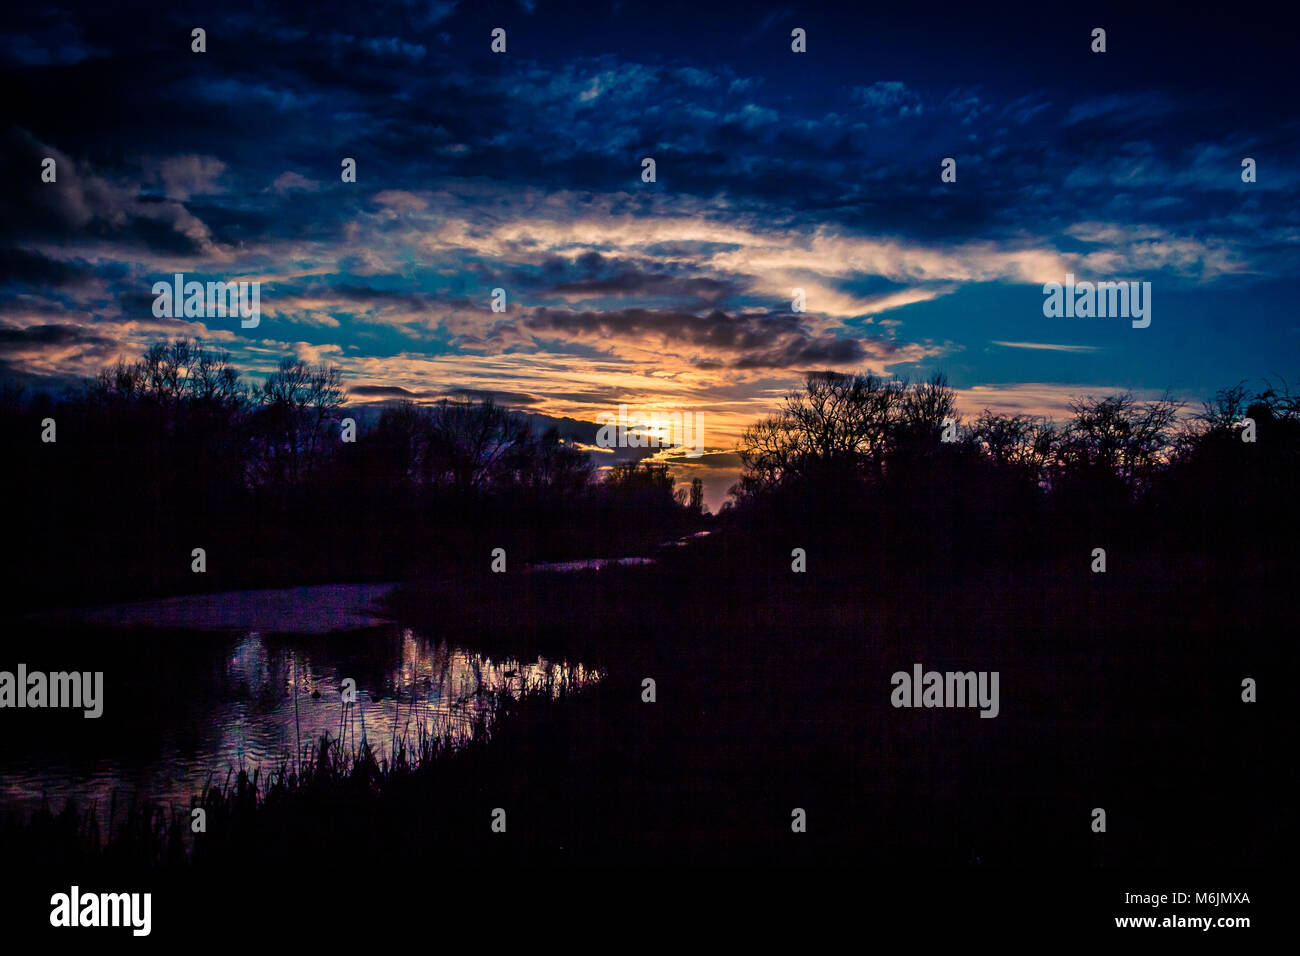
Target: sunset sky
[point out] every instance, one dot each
(775, 170)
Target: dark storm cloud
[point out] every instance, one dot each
(507, 398)
(59, 335)
(137, 303)
(81, 204)
(593, 275)
(363, 294)
(382, 391)
(20, 266)
(413, 92)
(475, 394)
(763, 340)
(639, 283)
(824, 352)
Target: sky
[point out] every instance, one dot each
(775, 170)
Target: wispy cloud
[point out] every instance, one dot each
(1047, 346)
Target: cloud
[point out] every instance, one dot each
(711, 340)
(1039, 399)
(289, 181)
(1128, 107)
(381, 391)
(394, 46)
(432, 12)
(633, 282)
(1047, 347)
(752, 116)
(59, 335)
(891, 96)
(53, 352)
(398, 200)
(186, 176)
(501, 397)
(89, 207)
(34, 269)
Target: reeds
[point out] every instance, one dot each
(257, 804)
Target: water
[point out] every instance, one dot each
(304, 610)
(599, 564)
(248, 678)
(589, 564)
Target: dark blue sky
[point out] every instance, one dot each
(775, 170)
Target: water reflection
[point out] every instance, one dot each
(588, 564)
(257, 701)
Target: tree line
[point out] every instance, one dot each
(867, 463)
(282, 481)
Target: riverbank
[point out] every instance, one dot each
(771, 695)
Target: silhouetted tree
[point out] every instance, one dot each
(1111, 448)
(297, 405)
(836, 427)
(1020, 445)
(696, 501)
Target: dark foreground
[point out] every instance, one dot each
(1119, 691)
